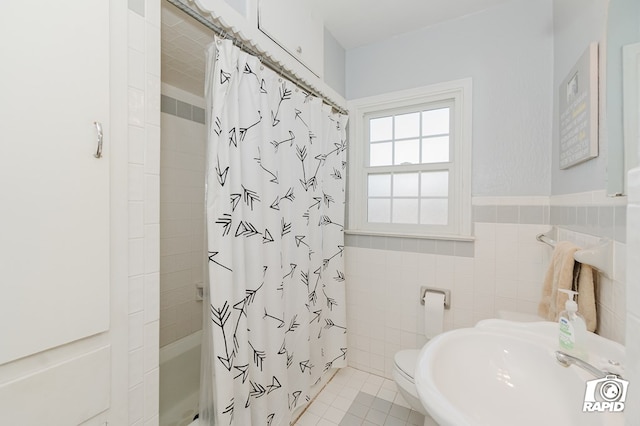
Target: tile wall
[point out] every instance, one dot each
(505, 271)
(632, 408)
(182, 236)
(143, 34)
(585, 218)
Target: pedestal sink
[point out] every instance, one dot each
(505, 373)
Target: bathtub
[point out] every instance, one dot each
(180, 380)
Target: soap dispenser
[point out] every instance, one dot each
(573, 329)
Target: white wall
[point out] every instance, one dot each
(508, 51)
(182, 177)
(334, 63)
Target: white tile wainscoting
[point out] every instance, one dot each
(383, 303)
(502, 270)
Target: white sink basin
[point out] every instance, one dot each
(505, 373)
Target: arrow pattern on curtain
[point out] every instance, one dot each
(275, 214)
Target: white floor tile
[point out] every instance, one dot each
(348, 393)
(325, 422)
(342, 403)
(370, 388)
(399, 400)
(377, 380)
(362, 375)
(390, 384)
(318, 408)
(336, 403)
(308, 419)
(326, 396)
(334, 415)
(386, 394)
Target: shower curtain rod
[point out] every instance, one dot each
(223, 33)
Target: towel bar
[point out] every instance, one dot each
(599, 256)
(546, 240)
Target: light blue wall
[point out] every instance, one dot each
(625, 16)
(577, 23)
(334, 63)
(508, 51)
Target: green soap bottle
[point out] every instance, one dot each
(572, 328)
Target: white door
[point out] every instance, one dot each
(54, 211)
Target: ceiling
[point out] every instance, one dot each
(353, 23)
(183, 45)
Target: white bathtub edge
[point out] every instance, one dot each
(174, 349)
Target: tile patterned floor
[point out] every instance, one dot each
(354, 398)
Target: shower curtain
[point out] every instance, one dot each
(275, 320)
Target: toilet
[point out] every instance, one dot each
(404, 368)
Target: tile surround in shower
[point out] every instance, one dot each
(181, 218)
(182, 109)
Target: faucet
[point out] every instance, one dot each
(566, 360)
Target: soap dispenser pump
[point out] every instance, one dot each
(573, 329)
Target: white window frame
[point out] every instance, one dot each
(458, 92)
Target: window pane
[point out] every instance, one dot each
(405, 185)
(434, 212)
(407, 152)
(435, 122)
(379, 211)
(380, 154)
(381, 129)
(407, 125)
(435, 150)
(405, 211)
(379, 185)
(435, 184)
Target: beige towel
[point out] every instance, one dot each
(560, 275)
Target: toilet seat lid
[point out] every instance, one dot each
(406, 361)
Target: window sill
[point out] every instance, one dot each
(407, 235)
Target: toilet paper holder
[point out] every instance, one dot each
(447, 295)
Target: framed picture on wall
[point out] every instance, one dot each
(579, 111)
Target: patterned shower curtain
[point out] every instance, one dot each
(275, 211)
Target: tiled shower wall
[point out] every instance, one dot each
(503, 269)
(181, 214)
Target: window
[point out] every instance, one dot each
(410, 162)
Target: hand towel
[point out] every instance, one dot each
(560, 275)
